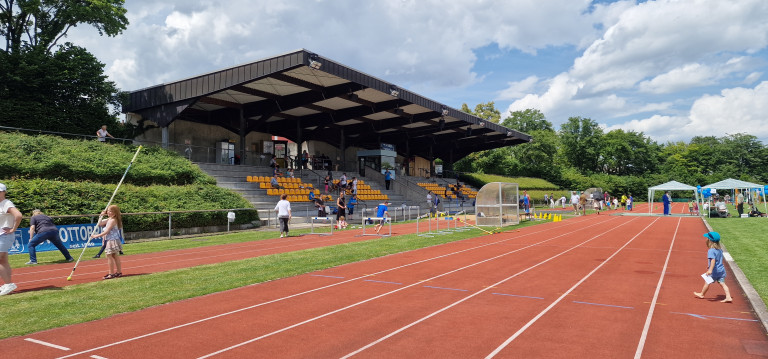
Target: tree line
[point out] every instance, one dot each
(580, 155)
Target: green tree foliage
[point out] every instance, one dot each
(536, 159)
(582, 143)
(486, 111)
(40, 24)
(57, 87)
(628, 153)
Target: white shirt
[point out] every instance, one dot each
(283, 208)
(574, 199)
(102, 134)
(7, 220)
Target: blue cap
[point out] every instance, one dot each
(712, 236)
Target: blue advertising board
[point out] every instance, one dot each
(73, 236)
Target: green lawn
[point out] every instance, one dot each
(745, 239)
(34, 311)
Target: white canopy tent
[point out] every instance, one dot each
(733, 184)
(670, 186)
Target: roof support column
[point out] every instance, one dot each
(431, 161)
(299, 161)
(343, 148)
(242, 136)
(164, 136)
(408, 157)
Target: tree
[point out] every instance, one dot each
(537, 158)
(582, 143)
(485, 111)
(40, 24)
(48, 86)
(628, 153)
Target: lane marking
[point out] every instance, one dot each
(369, 345)
(541, 314)
(395, 291)
(326, 276)
(97, 357)
(46, 344)
(381, 281)
(501, 241)
(459, 290)
(703, 316)
(515, 295)
(604, 305)
(647, 326)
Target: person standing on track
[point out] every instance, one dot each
(41, 229)
(10, 218)
(341, 208)
(111, 236)
(583, 203)
(283, 209)
(715, 267)
(666, 199)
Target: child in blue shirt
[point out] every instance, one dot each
(715, 266)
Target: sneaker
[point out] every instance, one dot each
(30, 263)
(97, 256)
(70, 259)
(10, 287)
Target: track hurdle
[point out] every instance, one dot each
(427, 234)
(326, 219)
(375, 220)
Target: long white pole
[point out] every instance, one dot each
(105, 209)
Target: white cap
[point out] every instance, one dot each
(2, 188)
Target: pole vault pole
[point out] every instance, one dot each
(102, 215)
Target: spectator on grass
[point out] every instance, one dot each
(10, 218)
(102, 134)
(283, 209)
(583, 203)
(111, 237)
(41, 229)
(739, 202)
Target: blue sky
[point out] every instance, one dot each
(672, 69)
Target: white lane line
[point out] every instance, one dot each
(575, 223)
(46, 344)
(369, 345)
(97, 357)
(388, 293)
(643, 337)
(537, 317)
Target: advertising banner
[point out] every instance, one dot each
(73, 236)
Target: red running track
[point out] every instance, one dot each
(54, 275)
(592, 286)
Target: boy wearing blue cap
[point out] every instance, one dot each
(715, 266)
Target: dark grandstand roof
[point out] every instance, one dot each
(303, 96)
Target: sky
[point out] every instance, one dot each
(671, 69)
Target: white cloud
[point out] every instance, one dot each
(518, 89)
(736, 110)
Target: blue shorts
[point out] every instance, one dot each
(6, 242)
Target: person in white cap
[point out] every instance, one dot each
(10, 218)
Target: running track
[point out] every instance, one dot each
(592, 286)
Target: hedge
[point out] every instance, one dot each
(56, 158)
(70, 198)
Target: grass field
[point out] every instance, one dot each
(44, 309)
(745, 239)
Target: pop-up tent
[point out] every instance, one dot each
(733, 184)
(669, 186)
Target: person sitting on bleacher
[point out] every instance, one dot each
(274, 182)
